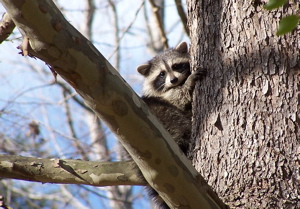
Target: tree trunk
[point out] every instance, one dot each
(246, 112)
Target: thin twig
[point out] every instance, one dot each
(153, 47)
(72, 129)
(73, 96)
(127, 29)
(117, 29)
(90, 13)
(182, 16)
(156, 12)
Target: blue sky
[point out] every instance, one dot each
(27, 93)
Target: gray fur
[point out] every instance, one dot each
(167, 90)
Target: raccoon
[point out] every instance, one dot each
(167, 90)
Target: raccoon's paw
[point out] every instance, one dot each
(199, 74)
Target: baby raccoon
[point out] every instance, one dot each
(167, 90)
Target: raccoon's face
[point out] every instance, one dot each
(166, 71)
(168, 74)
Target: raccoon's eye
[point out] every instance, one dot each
(177, 66)
(186, 65)
(162, 74)
(180, 66)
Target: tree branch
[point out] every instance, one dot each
(160, 24)
(70, 171)
(182, 16)
(126, 30)
(70, 125)
(6, 27)
(53, 40)
(89, 18)
(116, 33)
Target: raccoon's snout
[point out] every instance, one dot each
(174, 80)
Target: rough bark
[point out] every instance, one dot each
(49, 37)
(64, 171)
(246, 125)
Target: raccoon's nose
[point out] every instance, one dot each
(174, 80)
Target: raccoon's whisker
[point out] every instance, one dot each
(161, 87)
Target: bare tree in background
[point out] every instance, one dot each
(85, 136)
(120, 196)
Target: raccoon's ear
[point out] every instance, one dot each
(144, 69)
(182, 47)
